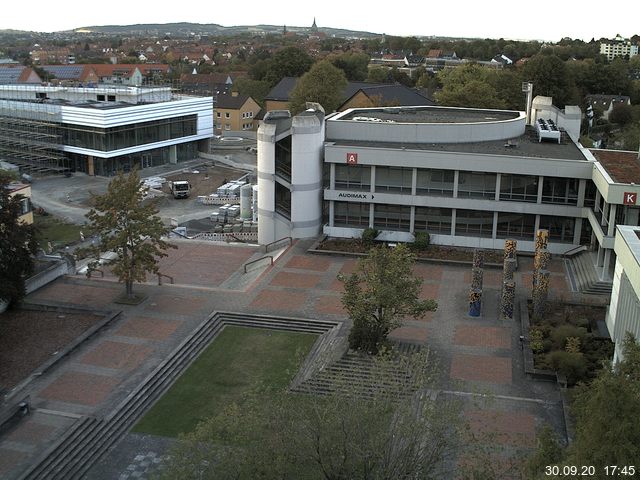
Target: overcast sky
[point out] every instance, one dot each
(515, 19)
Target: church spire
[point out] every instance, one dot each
(314, 27)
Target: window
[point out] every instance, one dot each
(433, 220)
(227, 126)
(516, 225)
(283, 200)
(111, 98)
(519, 188)
(560, 190)
(393, 179)
(474, 223)
(477, 185)
(392, 217)
(283, 158)
(351, 214)
(250, 114)
(227, 115)
(353, 177)
(560, 228)
(435, 182)
(101, 98)
(218, 114)
(25, 206)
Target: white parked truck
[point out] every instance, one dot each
(180, 189)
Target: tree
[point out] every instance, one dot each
(127, 226)
(380, 293)
(17, 244)
(472, 86)
(379, 75)
(256, 89)
(340, 435)
(606, 413)
(323, 84)
(354, 65)
(549, 76)
(622, 114)
(287, 62)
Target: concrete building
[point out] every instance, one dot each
(618, 47)
(468, 177)
(623, 314)
(26, 210)
(235, 113)
(101, 130)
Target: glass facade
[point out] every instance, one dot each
(353, 177)
(392, 217)
(519, 188)
(283, 201)
(474, 223)
(516, 225)
(283, 158)
(560, 228)
(435, 182)
(347, 214)
(433, 220)
(393, 179)
(563, 191)
(116, 138)
(477, 185)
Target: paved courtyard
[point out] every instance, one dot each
(478, 356)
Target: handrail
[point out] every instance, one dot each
(266, 247)
(270, 257)
(160, 275)
(574, 250)
(90, 272)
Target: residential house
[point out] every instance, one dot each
(502, 59)
(71, 74)
(618, 47)
(386, 95)
(26, 210)
(235, 113)
(606, 103)
(10, 75)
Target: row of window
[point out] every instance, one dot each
(116, 138)
(228, 115)
(518, 188)
(472, 223)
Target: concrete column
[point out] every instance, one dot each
(611, 231)
(414, 183)
(453, 221)
(173, 154)
(371, 213)
(540, 185)
(332, 178)
(536, 225)
(373, 179)
(412, 217)
(582, 188)
(494, 231)
(577, 231)
(606, 262)
(497, 197)
(456, 176)
(90, 166)
(605, 214)
(600, 257)
(332, 210)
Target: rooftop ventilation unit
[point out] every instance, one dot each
(547, 130)
(277, 115)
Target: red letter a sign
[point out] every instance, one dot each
(352, 158)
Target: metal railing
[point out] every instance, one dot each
(269, 257)
(160, 275)
(574, 250)
(268, 246)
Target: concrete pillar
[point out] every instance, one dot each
(582, 188)
(332, 176)
(611, 231)
(332, 209)
(412, 219)
(540, 185)
(453, 220)
(577, 231)
(456, 177)
(414, 182)
(373, 179)
(494, 230)
(371, 214)
(173, 154)
(600, 257)
(606, 263)
(497, 197)
(90, 166)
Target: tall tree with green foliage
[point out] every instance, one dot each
(287, 62)
(354, 65)
(128, 226)
(323, 83)
(17, 244)
(606, 413)
(380, 293)
(472, 86)
(550, 78)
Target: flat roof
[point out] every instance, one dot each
(622, 166)
(428, 114)
(526, 145)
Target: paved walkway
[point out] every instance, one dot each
(478, 356)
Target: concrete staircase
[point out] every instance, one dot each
(362, 375)
(583, 276)
(90, 438)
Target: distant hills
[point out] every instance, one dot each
(213, 29)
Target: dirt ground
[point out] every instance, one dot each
(207, 180)
(29, 337)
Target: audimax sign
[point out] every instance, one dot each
(356, 196)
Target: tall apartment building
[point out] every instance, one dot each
(618, 47)
(100, 130)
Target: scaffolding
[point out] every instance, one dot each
(30, 138)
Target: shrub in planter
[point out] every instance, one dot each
(535, 340)
(560, 334)
(571, 365)
(422, 241)
(572, 345)
(369, 235)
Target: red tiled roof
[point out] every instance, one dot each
(622, 167)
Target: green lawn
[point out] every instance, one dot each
(51, 229)
(237, 361)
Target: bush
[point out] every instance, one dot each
(535, 340)
(571, 365)
(560, 334)
(572, 345)
(369, 235)
(422, 241)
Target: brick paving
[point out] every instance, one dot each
(478, 336)
(116, 355)
(98, 376)
(148, 327)
(481, 368)
(78, 387)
